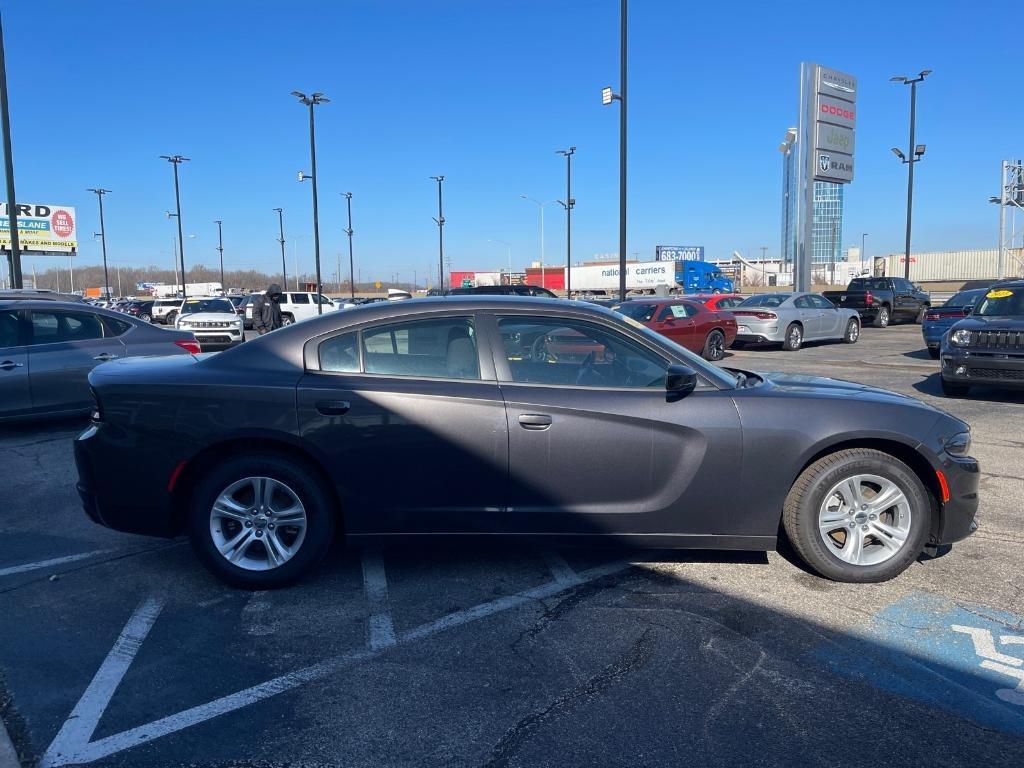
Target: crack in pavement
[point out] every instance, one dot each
(637, 656)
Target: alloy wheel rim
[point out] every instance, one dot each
(258, 523)
(716, 346)
(854, 332)
(794, 337)
(865, 520)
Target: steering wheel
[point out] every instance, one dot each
(539, 349)
(587, 369)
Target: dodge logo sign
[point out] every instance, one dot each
(824, 161)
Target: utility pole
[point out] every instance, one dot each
(568, 205)
(913, 156)
(440, 232)
(177, 160)
(12, 205)
(100, 192)
(312, 101)
(220, 249)
(280, 239)
(351, 264)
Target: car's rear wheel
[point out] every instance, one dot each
(882, 318)
(933, 353)
(714, 346)
(954, 390)
(852, 332)
(170, 317)
(261, 521)
(858, 515)
(794, 337)
(287, 320)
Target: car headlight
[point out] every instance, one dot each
(960, 337)
(959, 444)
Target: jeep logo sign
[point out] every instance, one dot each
(832, 138)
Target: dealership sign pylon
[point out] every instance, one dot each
(825, 142)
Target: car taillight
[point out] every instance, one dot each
(868, 298)
(766, 316)
(189, 345)
(931, 315)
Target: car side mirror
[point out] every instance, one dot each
(670, 320)
(680, 380)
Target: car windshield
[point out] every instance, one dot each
(964, 298)
(1002, 301)
(638, 310)
(192, 306)
(765, 300)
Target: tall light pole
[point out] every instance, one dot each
(351, 262)
(176, 160)
(863, 256)
(312, 101)
(12, 206)
(568, 204)
(220, 249)
(280, 239)
(607, 97)
(100, 192)
(914, 154)
(440, 233)
(540, 207)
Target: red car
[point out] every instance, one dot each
(687, 322)
(718, 301)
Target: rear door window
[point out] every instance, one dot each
(55, 327)
(443, 348)
(299, 298)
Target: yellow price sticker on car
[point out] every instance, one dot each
(999, 294)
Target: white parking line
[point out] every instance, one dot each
(561, 570)
(84, 718)
(375, 582)
(72, 745)
(48, 563)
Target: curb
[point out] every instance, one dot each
(8, 755)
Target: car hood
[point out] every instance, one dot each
(208, 317)
(820, 385)
(994, 323)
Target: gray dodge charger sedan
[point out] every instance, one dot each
(526, 417)
(793, 318)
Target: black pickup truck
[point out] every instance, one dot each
(882, 300)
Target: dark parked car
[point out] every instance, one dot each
(987, 347)
(882, 300)
(688, 323)
(519, 416)
(47, 349)
(938, 320)
(503, 290)
(37, 294)
(142, 309)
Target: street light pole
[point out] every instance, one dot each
(280, 239)
(220, 249)
(12, 206)
(568, 205)
(312, 101)
(540, 205)
(913, 156)
(607, 97)
(440, 233)
(351, 263)
(177, 160)
(863, 254)
(100, 192)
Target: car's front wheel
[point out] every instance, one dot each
(170, 317)
(146, 318)
(287, 320)
(858, 515)
(714, 346)
(261, 521)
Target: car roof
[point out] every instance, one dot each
(76, 306)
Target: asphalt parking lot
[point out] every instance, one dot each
(122, 651)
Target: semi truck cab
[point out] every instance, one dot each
(701, 277)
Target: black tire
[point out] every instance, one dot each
(714, 346)
(933, 353)
(852, 331)
(949, 389)
(170, 317)
(286, 320)
(794, 337)
(145, 318)
(307, 486)
(882, 317)
(800, 513)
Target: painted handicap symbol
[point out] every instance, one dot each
(994, 660)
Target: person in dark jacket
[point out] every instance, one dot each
(266, 310)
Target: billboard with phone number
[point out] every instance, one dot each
(679, 253)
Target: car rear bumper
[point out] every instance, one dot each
(122, 499)
(759, 332)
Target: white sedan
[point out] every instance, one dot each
(213, 321)
(793, 318)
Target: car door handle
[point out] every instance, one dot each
(105, 356)
(534, 421)
(333, 407)
(10, 365)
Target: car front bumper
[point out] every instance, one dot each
(992, 369)
(957, 520)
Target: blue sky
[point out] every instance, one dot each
(484, 92)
